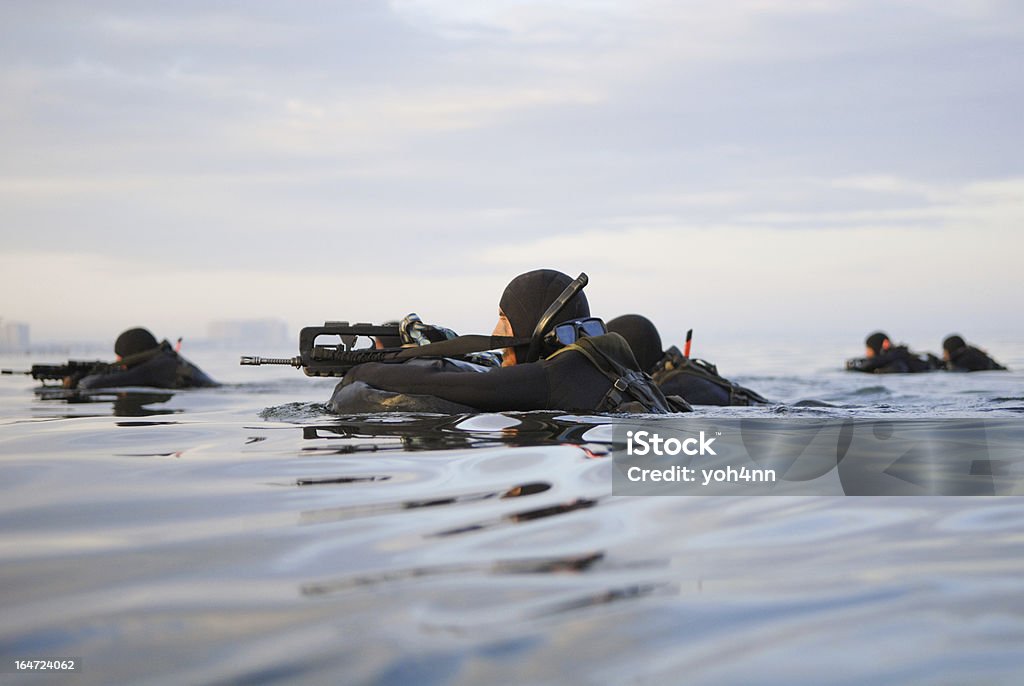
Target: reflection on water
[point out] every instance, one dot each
(248, 536)
(123, 403)
(442, 432)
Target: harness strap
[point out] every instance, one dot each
(625, 382)
(144, 356)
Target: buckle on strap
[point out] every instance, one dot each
(611, 401)
(621, 384)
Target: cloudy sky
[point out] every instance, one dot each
(740, 166)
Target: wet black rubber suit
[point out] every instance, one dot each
(695, 381)
(895, 360)
(892, 359)
(967, 358)
(145, 363)
(566, 381)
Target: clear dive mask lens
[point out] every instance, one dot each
(569, 332)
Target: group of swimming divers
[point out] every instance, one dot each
(558, 357)
(882, 357)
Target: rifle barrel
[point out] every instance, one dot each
(13, 371)
(255, 361)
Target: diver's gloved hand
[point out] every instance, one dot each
(414, 332)
(485, 359)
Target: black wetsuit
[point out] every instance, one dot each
(971, 359)
(697, 390)
(161, 368)
(696, 381)
(565, 382)
(699, 383)
(896, 360)
(352, 395)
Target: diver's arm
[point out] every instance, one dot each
(887, 362)
(521, 387)
(158, 372)
(862, 364)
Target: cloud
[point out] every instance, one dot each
(359, 122)
(992, 205)
(955, 261)
(713, 158)
(880, 183)
(215, 28)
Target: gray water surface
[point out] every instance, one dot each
(242, 534)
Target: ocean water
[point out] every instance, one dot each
(244, 534)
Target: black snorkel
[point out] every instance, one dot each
(546, 319)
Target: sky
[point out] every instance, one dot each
(745, 167)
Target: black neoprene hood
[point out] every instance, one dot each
(134, 341)
(642, 336)
(528, 295)
(953, 343)
(875, 341)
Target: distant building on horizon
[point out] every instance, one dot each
(14, 336)
(249, 331)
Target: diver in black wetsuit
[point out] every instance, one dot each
(588, 375)
(882, 357)
(960, 357)
(143, 362)
(696, 381)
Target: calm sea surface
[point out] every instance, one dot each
(244, 534)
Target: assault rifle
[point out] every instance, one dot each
(58, 372)
(341, 352)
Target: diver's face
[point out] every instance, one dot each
(504, 328)
(869, 353)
